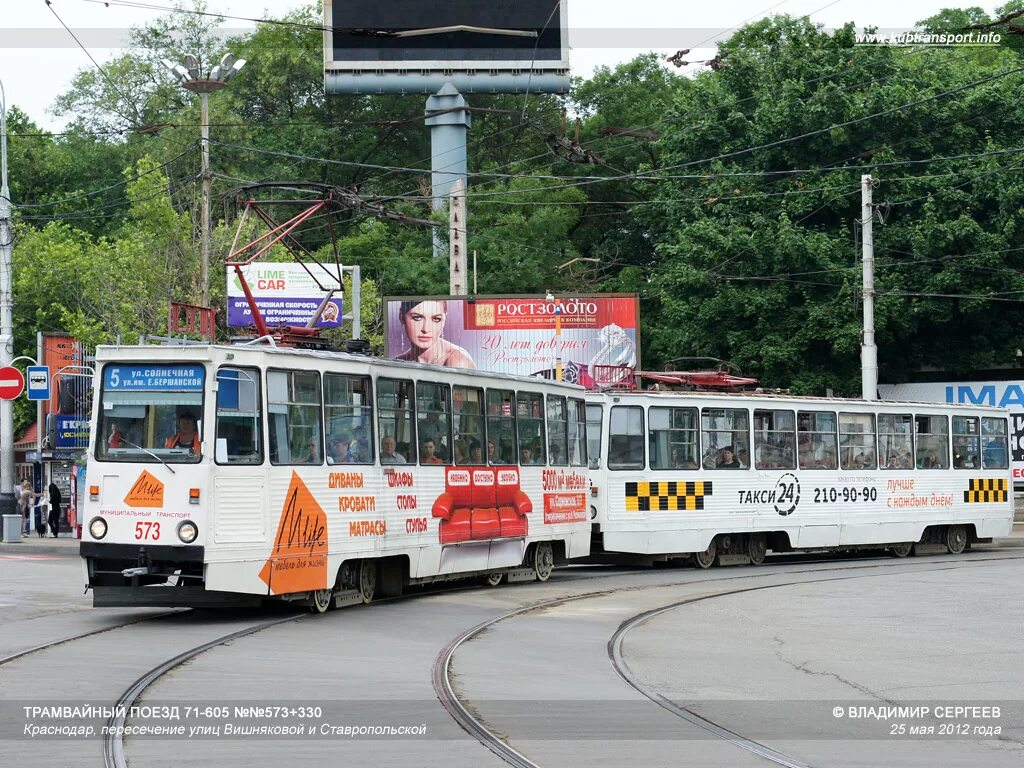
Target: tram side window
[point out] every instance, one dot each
(558, 435)
(348, 405)
(577, 433)
(856, 441)
(595, 419)
(239, 438)
(932, 442)
(530, 425)
(725, 438)
(966, 443)
(672, 438)
(395, 416)
(817, 440)
(625, 437)
(434, 414)
(994, 451)
(774, 440)
(295, 416)
(895, 441)
(468, 413)
(501, 426)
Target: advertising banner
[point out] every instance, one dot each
(1000, 394)
(286, 294)
(72, 432)
(524, 335)
(71, 390)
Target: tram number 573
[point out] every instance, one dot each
(147, 531)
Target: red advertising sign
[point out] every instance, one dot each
(524, 335)
(12, 382)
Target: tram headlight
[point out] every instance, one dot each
(97, 527)
(188, 531)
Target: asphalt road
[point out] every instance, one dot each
(767, 653)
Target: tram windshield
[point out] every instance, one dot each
(151, 413)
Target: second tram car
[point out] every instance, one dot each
(233, 474)
(726, 478)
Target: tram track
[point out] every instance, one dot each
(462, 713)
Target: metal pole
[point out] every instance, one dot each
(868, 350)
(357, 298)
(457, 240)
(449, 121)
(7, 502)
(474, 272)
(204, 242)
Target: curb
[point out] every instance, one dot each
(32, 548)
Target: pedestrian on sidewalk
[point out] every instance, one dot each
(25, 497)
(55, 500)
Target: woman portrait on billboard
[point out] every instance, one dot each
(423, 322)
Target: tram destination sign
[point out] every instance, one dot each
(153, 378)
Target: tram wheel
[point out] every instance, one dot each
(367, 580)
(543, 560)
(956, 539)
(757, 548)
(494, 579)
(322, 601)
(706, 558)
(903, 549)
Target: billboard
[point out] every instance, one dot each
(286, 294)
(66, 414)
(479, 46)
(1000, 394)
(516, 334)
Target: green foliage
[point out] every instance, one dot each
(728, 200)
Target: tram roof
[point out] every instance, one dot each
(204, 352)
(779, 397)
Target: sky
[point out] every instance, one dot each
(39, 58)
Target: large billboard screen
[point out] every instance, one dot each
(285, 294)
(517, 334)
(1000, 394)
(411, 46)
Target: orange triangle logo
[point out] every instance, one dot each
(147, 492)
(298, 561)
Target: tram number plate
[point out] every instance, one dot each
(147, 531)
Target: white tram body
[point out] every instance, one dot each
(288, 493)
(726, 477)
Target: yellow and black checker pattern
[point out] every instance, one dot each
(666, 496)
(986, 491)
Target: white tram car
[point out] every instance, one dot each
(725, 478)
(233, 474)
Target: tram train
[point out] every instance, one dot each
(231, 475)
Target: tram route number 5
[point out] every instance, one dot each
(147, 530)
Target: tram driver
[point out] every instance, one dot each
(187, 435)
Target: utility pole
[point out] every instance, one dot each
(868, 350)
(191, 79)
(457, 284)
(7, 503)
(449, 120)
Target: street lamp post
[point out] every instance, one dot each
(7, 502)
(190, 78)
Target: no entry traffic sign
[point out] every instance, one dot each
(11, 382)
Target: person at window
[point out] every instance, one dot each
(187, 436)
(427, 455)
(337, 451)
(727, 459)
(359, 448)
(387, 451)
(431, 428)
(423, 322)
(555, 455)
(116, 439)
(492, 453)
(475, 452)
(461, 451)
(525, 457)
(743, 458)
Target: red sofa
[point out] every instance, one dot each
(481, 503)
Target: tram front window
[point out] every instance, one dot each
(151, 413)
